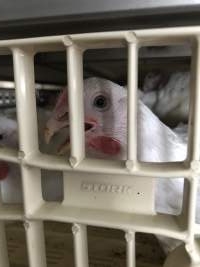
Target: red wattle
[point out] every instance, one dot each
(106, 145)
(4, 170)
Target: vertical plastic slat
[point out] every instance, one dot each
(23, 60)
(36, 244)
(132, 103)
(183, 218)
(80, 245)
(194, 149)
(130, 249)
(192, 206)
(28, 135)
(76, 106)
(194, 146)
(32, 193)
(25, 96)
(4, 262)
(191, 245)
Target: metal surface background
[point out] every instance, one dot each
(11, 10)
(35, 18)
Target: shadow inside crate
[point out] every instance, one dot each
(107, 247)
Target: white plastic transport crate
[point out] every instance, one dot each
(117, 205)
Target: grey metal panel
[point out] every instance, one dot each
(19, 10)
(24, 18)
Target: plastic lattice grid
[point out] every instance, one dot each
(35, 210)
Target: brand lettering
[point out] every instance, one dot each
(106, 188)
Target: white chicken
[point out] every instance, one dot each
(9, 172)
(10, 175)
(105, 135)
(169, 100)
(106, 132)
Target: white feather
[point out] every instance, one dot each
(170, 101)
(156, 142)
(11, 187)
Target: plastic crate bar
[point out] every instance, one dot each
(6, 85)
(9, 154)
(36, 244)
(31, 160)
(25, 96)
(80, 245)
(28, 137)
(130, 249)
(157, 170)
(4, 261)
(194, 119)
(105, 39)
(75, 101)
(132, 102)
(27, 123)
(191, 246)
(163, 224)
(11, 212)
(192, 208)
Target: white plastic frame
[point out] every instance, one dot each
(35, 209)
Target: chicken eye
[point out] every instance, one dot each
(100, 102)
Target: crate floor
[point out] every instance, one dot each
(107, 248)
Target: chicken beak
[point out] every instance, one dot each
(47, 135)
(54, 125)
(64, 148)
